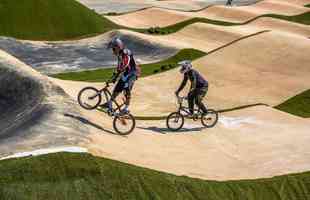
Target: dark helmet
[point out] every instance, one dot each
(186, 65)
(116, 42)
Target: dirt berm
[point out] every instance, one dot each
(33, 111)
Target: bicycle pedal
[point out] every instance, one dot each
(111, 114)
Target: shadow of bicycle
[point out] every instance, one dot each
(166, 130)
(87, 122)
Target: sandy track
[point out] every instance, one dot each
(251, 143)
(120, 6)
(160, 17)
(204, 37)
(275, 72)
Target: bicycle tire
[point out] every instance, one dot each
(212, 112)
(85, 105)
(118, 119)
(180, 116)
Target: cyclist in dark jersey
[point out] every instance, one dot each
(126, 68)
(198, 89)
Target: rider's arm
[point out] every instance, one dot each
(182, 84)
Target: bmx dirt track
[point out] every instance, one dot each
(161, 17)
(249, 143)
(120, 6)
(33, 111)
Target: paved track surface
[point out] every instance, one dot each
(90, 53)
(33, 111)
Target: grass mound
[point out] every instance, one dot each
(82, 176)
(298, 105)
(49, 20)
(101, 75)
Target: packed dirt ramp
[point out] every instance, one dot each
(33, 111)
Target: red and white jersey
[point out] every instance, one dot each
(126, 62)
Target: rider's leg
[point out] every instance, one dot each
(116, 91)
(190, 99)
(128, 88)
(201, 93)
(127, 101)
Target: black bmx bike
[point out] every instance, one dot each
(90, 98)
(175, 120)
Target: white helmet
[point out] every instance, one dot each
(116, 42)
(186, 65)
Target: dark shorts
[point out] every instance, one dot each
(125, 85)
(198, 94)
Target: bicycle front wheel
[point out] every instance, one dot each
(210, 118)
(89, 98)
(124, 124)
(175, 121)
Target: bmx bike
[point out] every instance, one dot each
(175, 120)
(90, 98)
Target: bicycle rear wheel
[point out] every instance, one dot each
(210, 118)
(89, 98)
(175, 121)
(124, 124)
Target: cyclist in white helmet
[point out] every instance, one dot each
(126, 67)
(198, 89)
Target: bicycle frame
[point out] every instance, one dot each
(185, 108)
(108, 95)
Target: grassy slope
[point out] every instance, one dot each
(49, 20)
(82, 176)
(298, 105)
(100, 75)
(302, 19)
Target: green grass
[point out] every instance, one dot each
(101, 75)
(298, 105)
(302, 19)
(50, 20)
(82, 176)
